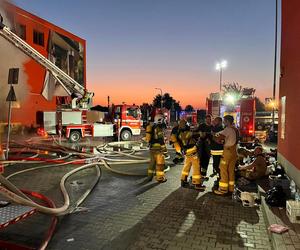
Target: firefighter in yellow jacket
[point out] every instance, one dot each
(229, 157)
(155, 138)
(185, 143)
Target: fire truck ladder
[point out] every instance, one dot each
(67, 82)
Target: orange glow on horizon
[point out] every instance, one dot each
(139, 92)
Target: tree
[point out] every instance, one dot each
(189, 108)
(168, 102)
(232, 88)
(259, 105)
(237, 90)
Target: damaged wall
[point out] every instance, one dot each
(11, 57)
(32, 74)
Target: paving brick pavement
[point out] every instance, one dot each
(163, 216)
(126, 214)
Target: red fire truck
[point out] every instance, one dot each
(164, 111)
(189, 116)
(123, 121)
(75, 120)
(241, 108)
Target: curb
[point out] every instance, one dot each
(277, 240)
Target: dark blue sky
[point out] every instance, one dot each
(172, 44)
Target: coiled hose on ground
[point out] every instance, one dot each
(105, 158)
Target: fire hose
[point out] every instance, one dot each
(13, 193)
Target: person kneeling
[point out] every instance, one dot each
(257, 169)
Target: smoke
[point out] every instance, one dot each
(11, 57)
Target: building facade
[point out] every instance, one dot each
(37, 89)
(289, 90)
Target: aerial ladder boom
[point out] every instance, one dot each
(72, 87)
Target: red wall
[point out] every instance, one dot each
(289, 147)
(26, 114)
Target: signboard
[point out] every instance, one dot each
(11, 97)
(13, 76)
(283, 106)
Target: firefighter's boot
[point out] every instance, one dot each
(220, 192)
(162, 179)
(199, 187)
(184, 184)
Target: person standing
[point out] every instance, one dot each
(173, 138)
(205, 130)
(156, 139)
(216, 148)
(227, 165)
(185, 143)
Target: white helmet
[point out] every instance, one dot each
(248, 199)
(159, 119)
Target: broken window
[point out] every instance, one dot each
(38, 38)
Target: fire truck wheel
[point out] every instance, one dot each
(74, 136)
(126, 135)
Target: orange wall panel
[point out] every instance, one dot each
(289, 147)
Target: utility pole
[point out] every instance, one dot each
(13, 78)
(161, 99)
(275, 63)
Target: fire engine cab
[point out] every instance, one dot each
(190, 117)
(122, 121)
(242, 108)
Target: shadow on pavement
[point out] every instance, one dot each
(187, 218)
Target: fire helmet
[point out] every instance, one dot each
(159, 119)
(182, 124)
(248, 199)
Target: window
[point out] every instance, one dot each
(22, 31)
(38, 38)
(132, 112)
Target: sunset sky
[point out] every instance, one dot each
(134, 46)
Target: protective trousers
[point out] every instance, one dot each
(191, 161)
(227, 166)
(204, 154)
(216, 164)
(157, 164)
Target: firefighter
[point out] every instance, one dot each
(257, 169)
(156, 139)
(216, 149)
(173, 138)
(86, 99)
(229, 157)
(185, 143)
(205, 130)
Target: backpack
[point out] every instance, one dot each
(275, 197)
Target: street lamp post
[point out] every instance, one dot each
(275, 62)
(220, 66)
(161, 99)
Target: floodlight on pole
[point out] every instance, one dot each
(230, 99)
(220, 66)
(161, 99)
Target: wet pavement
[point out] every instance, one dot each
(123, 212)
